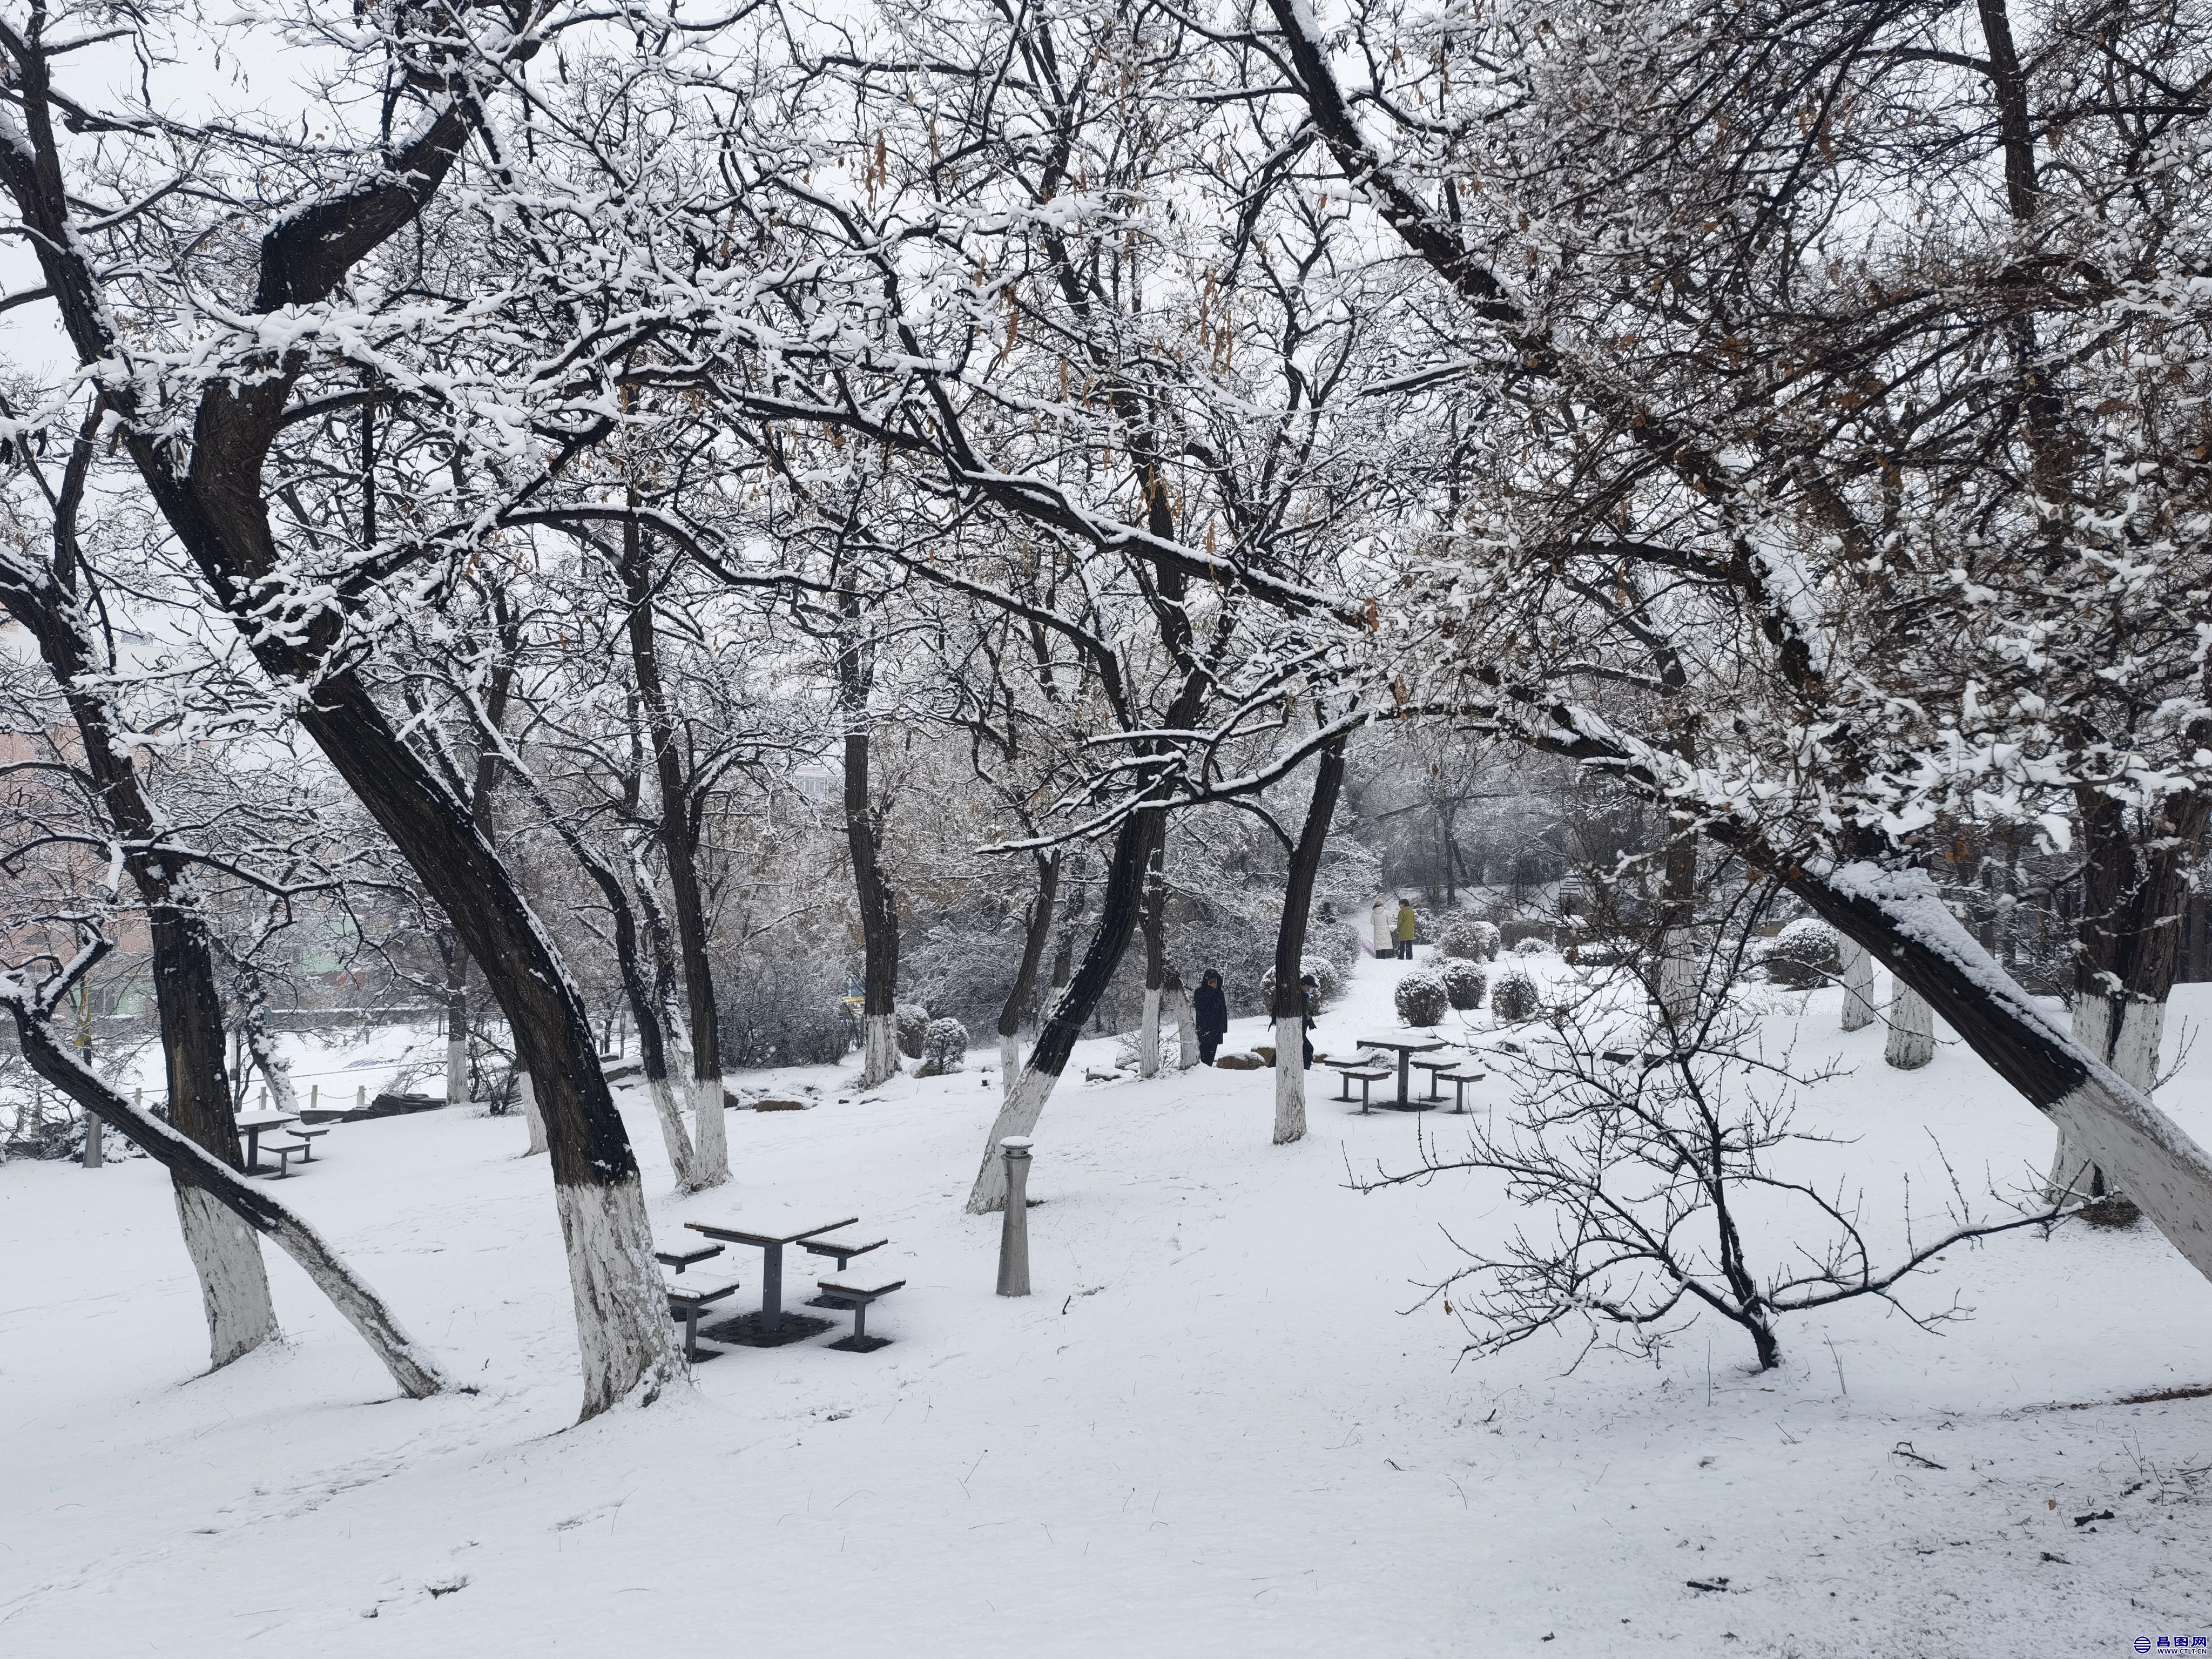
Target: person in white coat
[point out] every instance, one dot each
(1382, 922)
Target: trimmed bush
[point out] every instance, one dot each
(944, 1046)
(1806, 953)
(912, 1028)
(1327, 980)
(1463, 984)
(1422, 997)
(1533, 946)
(1469, 940)
(1514, 998)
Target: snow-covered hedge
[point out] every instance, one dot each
(912, 1028)
(1422, 997)
(1805, 953)
(1469, 940)
(1514, 998)
(1463, 983)
(1533, 946)
(944, 1046)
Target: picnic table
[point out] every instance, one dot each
(254, 1126)
(769, 1328)
(1406, 1048)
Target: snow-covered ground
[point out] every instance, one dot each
(1210, 1430)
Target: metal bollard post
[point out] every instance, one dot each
(1014, 1226)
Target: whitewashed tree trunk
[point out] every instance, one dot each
(1022, 1105)
(233, 1281)
(1009, 1059)
(457, 1071)
(712, 1138)
(622, 1314)
(92, 1148)
(681, 1161)
(1290, 1081)
(1186, 1019)
(1148, 1037)
(1912, 1030)
(536, 1118)
(1678, 974)
(1859, 1010)
(879, 1056)
(2132, 1051)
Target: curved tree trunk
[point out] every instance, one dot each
(1025, 1096)
(1289, 1004)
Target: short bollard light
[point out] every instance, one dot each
(1014, 1226)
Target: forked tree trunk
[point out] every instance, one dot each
(233, 1283)
(217, 508)
(1289, 1004)
(212, 1197)
(1911, 1042)
(1859, 1010)
(1025, 1100)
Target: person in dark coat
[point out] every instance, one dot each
(1312, 1000)
(1212, 1008)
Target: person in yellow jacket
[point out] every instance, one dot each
(1405, 928)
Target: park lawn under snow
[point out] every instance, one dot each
(1210, 1431)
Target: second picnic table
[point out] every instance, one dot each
(252, 1126)
(770, 1245)
(1407, 1048)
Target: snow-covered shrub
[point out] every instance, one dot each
(1805, 953)
(912, 1028)
(1327, 980)
(1463, 983)
(1422, 997)
(1469, 940)
(1514, 998)
(792, 1016)
(945, 1045)
(1533, 946)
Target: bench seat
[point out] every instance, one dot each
(686, 1255)
(858, 1297)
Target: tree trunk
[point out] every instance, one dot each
(1186, 1019)
(681, 810)
(1678, 913)
(658, 1028)
(1290, 1005)
(879, 906)
(1152, 921)
(2134, 884)
(2141, 1151)
(1025, 1096)
(531, 1114)
(1036, 931)
(213, 1199)
(456, 1025)
(1911, 1042)
(1859, 1010)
